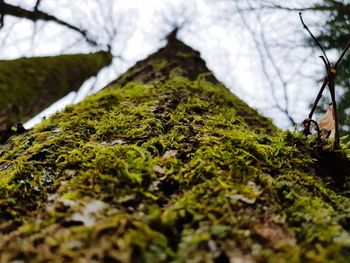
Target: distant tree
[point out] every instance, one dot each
(29, 85)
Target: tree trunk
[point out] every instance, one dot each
(29, 85)
(166, 165)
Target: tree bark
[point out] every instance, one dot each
(29, 85)
(166, 165)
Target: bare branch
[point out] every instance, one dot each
(7, 9)
(1, 13)
(327, 64)
(279, 75)
(314, 38)
(261, 51)
(318, 97)
(335, 5)
(37, 4)
(342, 54)
(330, 82)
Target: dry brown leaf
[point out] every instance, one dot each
(169, 154)
(158, 169)
(327, 122)
(274, 233)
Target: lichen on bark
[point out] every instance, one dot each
(29, 85)
(166, 165)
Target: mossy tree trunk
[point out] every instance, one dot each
(166, 165)
(29, 85)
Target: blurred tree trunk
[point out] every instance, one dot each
(29, 85)
(166, 165)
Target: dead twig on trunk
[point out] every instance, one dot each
(329, 80)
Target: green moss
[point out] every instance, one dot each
(169, 171)
(159, 64)
(29, 85)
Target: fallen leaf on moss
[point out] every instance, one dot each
(5, 166)
(87, 216)
(155, 184)
(274, 233)
(117, 142)
(169, 154)
(158, 169)
(242, 198)
(327, 122)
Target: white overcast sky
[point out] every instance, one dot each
(221, 35)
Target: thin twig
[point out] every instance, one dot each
(17, 11)
(314, 38)
(325, 62)
(37, 4)
(330, 82)
(1, 14)
(279, 75)
(262, 54)
(318, 97)
(307, 124)
(342, 54)
(331, 85)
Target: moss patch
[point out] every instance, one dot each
(29, 85)
(168, 170)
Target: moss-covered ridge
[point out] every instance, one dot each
(167, 170)
(29, 85)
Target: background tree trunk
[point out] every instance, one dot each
(165, 164)
(29, 85)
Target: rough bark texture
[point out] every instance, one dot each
(29, 85)
(166, 165)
